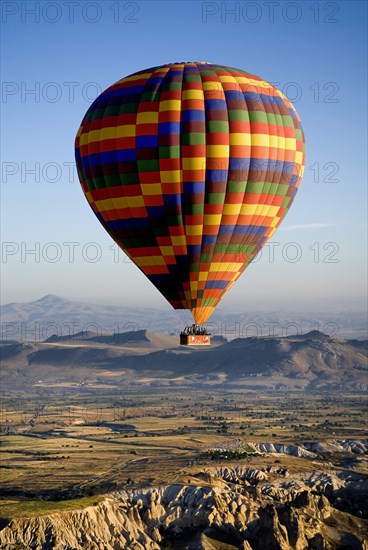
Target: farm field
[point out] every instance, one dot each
(55, 448)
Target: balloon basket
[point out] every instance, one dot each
(195, 337)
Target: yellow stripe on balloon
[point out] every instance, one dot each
(171, 176)
(299, 159)
(89, 197)
(125, 130)
(212, 219)
(109, 204)
(259, 210)
(135, 77)
(245, 80)
(193, 163)
(142, 261)
(275, 221)
(150, 117)
(193, 229)
(231, 267)
(192, 94)
(170, 105)
(134, 202)
(240, 139)
(212, 85)
(167, 251)
(217, 151)
(232, 209)
(178, 240)
(265, 140)
(149, 189)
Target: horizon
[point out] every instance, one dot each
(51, 314)
(240, 309)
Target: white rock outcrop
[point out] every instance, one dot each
(238, 507)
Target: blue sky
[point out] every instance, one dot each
(69, 52)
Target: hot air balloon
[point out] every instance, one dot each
(191, 167)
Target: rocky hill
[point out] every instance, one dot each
(211, 509)
(308, 362)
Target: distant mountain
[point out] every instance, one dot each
(141, 338)
(55, 315)
(51, 314)
(311, 361)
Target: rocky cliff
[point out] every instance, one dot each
(211, 509)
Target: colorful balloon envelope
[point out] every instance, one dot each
(191, 167)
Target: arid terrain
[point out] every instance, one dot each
(313, 361)
(190, 469)
(129, 441)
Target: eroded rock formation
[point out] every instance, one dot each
(221, 509)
